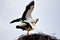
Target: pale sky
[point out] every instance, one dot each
(48, 12)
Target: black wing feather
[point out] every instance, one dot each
(20, 27)
(27, 9)
(16, 20)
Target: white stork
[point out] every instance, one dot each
(25, 25)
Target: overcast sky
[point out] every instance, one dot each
(48, 12)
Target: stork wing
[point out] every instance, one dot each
(16, 20)
(24, 26)
(28, 10)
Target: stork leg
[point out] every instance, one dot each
(27, 32)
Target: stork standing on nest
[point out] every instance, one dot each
(25, 25)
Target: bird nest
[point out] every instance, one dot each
(37, 37)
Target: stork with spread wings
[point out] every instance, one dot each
(25, 17)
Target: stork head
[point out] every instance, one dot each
(34, 21)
